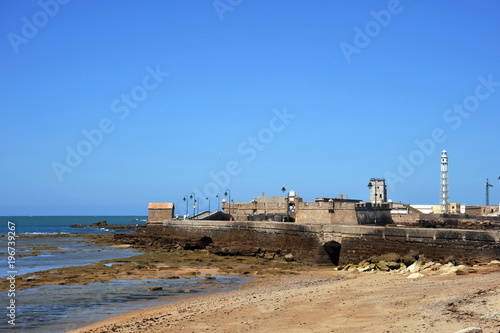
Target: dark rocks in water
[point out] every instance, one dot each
(92, 225)
(104, 224)
(99, 224)
(155, 288)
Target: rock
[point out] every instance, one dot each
(415, 276)
(236, 250)
(204, 242)
(382, 266)
(393, 265)
(462, 272)
(491, 315)
(427, 265)
(385, 257)
(350, 267)
(365, 263)
(155, 288)
(99, 224)
(470, 330)
(409, 259)
(269, 255)
(415, 267)
(364, 269)
(77, 225)
(494, 262)
(289, 257)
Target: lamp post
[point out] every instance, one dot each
(488, 185)
(186, 200)
(370, 185)
(228, 194)
(193, 196)
(218, 202)
(208, 203)
(283, 189)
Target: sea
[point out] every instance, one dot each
(63, 308)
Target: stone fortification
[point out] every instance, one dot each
(321, 211)
(343, 244)
(161, 211)
(461, 221)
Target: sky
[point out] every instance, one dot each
(107, 106)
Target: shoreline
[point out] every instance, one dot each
(326, 301)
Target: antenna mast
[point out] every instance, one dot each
(444, 182)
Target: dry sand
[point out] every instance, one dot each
(328, 301)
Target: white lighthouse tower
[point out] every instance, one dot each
(444, 182)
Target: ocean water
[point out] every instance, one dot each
(62, 308)
(66, 252)
(56, 309)
(40, 225)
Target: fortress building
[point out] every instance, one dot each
(292, 208)
(378, 190)
(158, 212)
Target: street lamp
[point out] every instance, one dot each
(228, 194)
(370, 185)
(208, 203)
(218, 202)
(193, 196)
(186, 200)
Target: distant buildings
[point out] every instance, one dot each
(292, 208)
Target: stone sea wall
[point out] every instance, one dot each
(342, 244)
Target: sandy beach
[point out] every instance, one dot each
(324, 300)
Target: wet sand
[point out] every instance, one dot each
(327, 301)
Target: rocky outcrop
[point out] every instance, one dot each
(104, 224)
(100, 224)
(167, 242)
(416, 266)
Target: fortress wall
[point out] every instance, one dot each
(405, 218)
(357, 242)
(298, 239)
(462, 246)
(345, 213)
(314, 212)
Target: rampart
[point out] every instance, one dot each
(342, 244)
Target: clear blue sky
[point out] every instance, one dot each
(109, 105)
